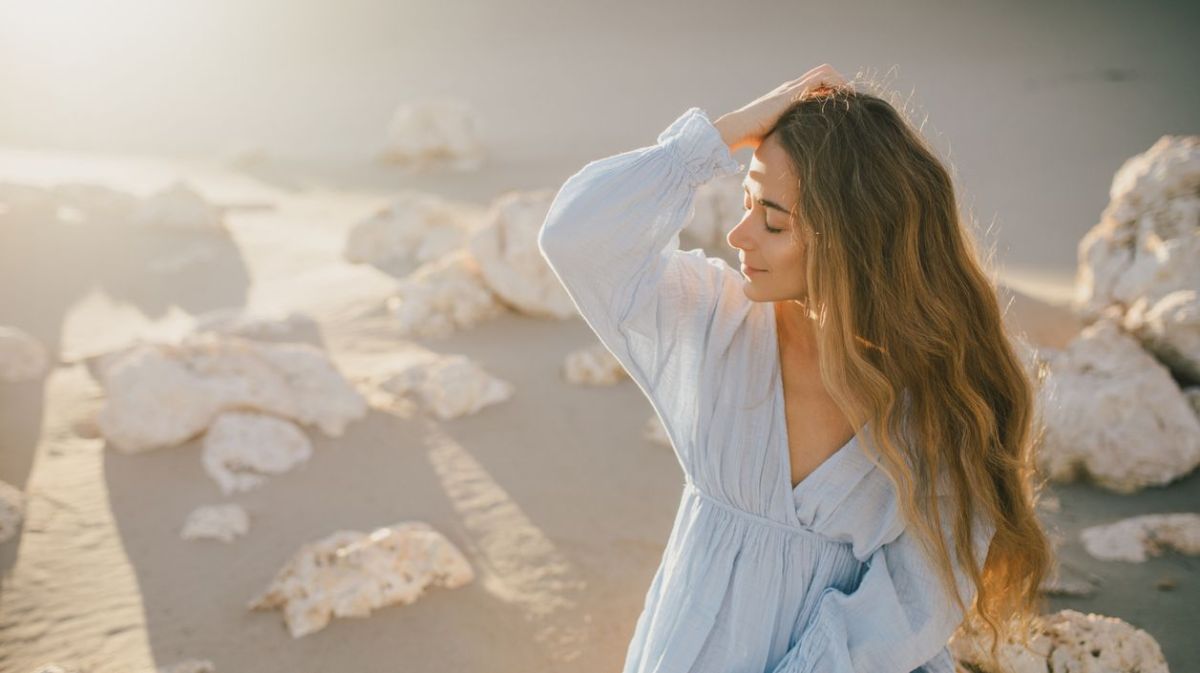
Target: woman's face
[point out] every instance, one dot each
(765, 236)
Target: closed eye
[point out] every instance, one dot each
(769, 228)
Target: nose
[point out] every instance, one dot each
(737, 237)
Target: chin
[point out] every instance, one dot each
(752, 293)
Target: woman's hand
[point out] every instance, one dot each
(748, 124)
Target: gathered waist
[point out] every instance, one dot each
(690, 486)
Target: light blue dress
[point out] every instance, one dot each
(757, 577)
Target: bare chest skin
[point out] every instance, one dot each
(816, 428)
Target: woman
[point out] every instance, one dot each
(802, 545)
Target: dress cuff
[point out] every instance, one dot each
(697, 144)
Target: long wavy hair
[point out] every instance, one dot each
(911, 338)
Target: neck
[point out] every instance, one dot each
(797, 328)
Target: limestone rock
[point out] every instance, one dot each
(240, 444)
(12, 510)
(1145, 248)
(1170, 329)
(1150, 221)
(510, 262)
(1068, 642)
(594, 365)
(217, 522)
(1113, 412)
(1193, 396)
(436, 131)
(1136, 538)
(22, 358)
(350, 573)
(443, 296)
(267, 326)
(162, 394)
(415, 229)
(179, 206)
(449, 386)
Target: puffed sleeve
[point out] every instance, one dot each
(898, 619)
(611, 236)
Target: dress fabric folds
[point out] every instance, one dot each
(757, 576)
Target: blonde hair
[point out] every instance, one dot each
(911, 339)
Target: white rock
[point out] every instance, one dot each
(1068, 642)
(1136, 538)
(414, 229)
(655, 431)
(12, 510)
(1170, 329)
(240, 446)
(162, 394)
(22, 358)
(716, 209)
(449, 386)
(268, 326)
(442, 296)
(1193, 395)
(217, 522)
(437, 131)
(189, 666)
(179, 206)
(1113, 412)
(594, 365)
(1152, 199)
(1145, 248)
(349, 574)
(506, 248)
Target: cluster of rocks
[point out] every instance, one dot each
(1135, 539)
(1119, 403)
(249, 389)
(434, 132)
(461, 265)
(176, 206)
(248, 386)
(1064, 642)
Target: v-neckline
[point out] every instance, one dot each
(781, 401)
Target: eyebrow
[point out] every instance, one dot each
(769, 204)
